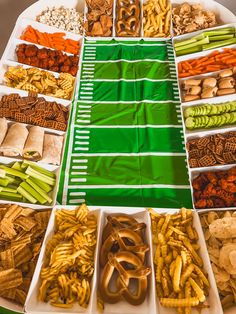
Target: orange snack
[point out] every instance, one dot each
(55, 40)
(215, 61)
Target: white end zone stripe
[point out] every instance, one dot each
(126, 186)
(77, 201)
(79, 161)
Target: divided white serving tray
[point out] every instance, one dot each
(53, 194)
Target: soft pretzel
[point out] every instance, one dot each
(121, 221)
(139, 272)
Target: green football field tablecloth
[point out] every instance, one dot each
(125, 144)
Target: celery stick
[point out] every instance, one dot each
(33, 192)
(200, 36)
(35, 174)
(9, 190)
(185, 42)
(39, 169)
(221, 31)
(39, 190)
(219, 44)
(27, 195)
(4, 181)
(188, 51)
(14, 172)
(11, 178)
(223, 37)
(11, 196)
(16, 166)
(2, 173)
(198, 43)
(46, 187)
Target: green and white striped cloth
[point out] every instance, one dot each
(125, 143)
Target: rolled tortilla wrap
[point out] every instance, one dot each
(14, 141)
(3, 129)
(52, 148)
(33, 149)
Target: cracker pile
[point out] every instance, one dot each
(34, 110)
(181, 280)
(39, 81)
(69, 259)
(220, 234)
(21, 234)
(212, 150)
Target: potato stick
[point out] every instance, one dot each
(190, 232)
(187, 292)
(157, 253)
(161, 238)
(169, 302)
(169, 258)
(162, 5)
(164, 249)
(180, 310)
(196, 257)
(186, 274)
(160, 26)
(164, 284)
(199, 292)
(167, 22)
(160, 264)
(160, 223)
(165, 225)
(172, 268)
(154, 213)
(184, 258)
(176, 230)
(168, 233)
(201, 275)
(177, 274)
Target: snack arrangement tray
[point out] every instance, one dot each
(132, 139)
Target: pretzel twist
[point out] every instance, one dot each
(123, 256)
(128, 18)
(139, 272)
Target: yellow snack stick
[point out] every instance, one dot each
(199, 292)
(160, 223)
(161, 238)
(164, 249)
(159, 290)
(160, 264)
(201, 275)
(187, 292)
(153, 213)
(172, 268)
(169, 258)
(157, 253)
(167, 23)
(168, 233)
(186, 302)
(184, 258)
(177, 274)
(176, 230)
(190, 232)
(196, 257)
(186, 274)
(165, 225)
(164, 284)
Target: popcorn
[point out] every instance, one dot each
(67, 19)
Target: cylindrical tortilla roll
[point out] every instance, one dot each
(3, 129)
(33, 149)
(14, 141)
(52, 149)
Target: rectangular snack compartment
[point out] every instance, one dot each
(5, 303)
(208, 101)
(55, 169)
(149, 305)
(230, 310)
(5, 64)
(213, 298)
(195, 172)
(32, 304)
(223, 15)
